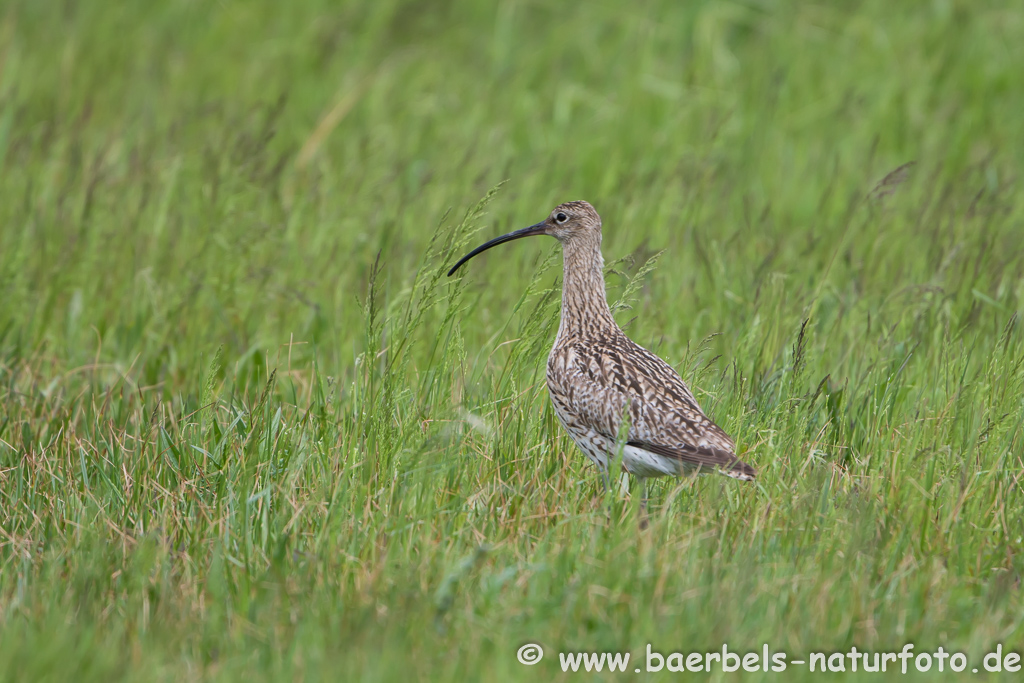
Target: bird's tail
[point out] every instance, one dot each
(740, 470)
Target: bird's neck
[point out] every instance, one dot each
(585, 308)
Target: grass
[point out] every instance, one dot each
(248, 429)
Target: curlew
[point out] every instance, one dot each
(598, 377)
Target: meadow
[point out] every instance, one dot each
(250, 430)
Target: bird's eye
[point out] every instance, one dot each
(561, 217)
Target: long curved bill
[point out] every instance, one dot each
(537, 229)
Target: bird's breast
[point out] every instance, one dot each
(560, 364)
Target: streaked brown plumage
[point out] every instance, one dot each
(597, 376)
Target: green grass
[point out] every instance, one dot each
(248, 429)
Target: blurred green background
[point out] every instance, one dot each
(249, 429)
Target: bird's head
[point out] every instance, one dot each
(566, 222)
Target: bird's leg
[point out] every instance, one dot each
(602, 500)
(624, 484)
(644, 520)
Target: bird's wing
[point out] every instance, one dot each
(707, 458)
(600, 383)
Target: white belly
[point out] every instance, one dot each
(641, 463)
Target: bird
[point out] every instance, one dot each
(609, 392)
